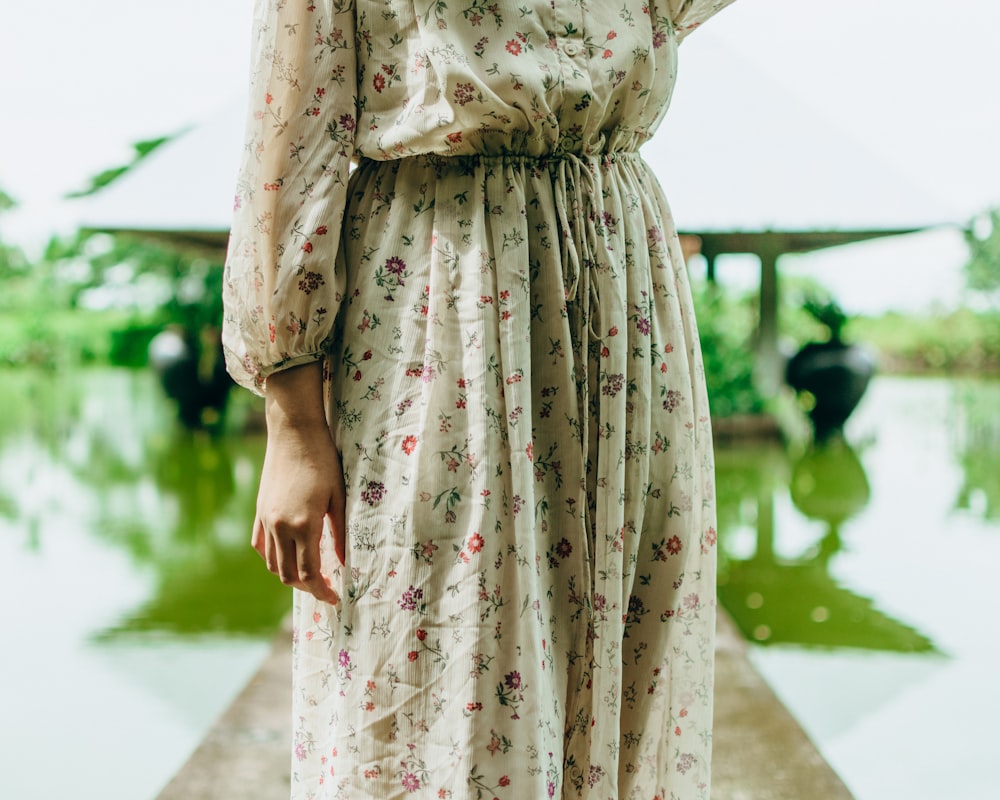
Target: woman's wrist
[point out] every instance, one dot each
(294, 399)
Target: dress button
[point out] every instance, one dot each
(571, 49)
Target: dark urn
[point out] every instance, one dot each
(834, 373)
(192, 374)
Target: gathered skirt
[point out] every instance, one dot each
(518, 396)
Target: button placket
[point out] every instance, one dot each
(569, 17)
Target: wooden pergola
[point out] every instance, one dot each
(768, 246)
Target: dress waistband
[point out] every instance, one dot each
(474, 159)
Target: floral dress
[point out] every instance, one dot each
(514, 382)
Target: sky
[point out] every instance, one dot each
(912, 81)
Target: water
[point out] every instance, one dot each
(867, 575)
(133, 609)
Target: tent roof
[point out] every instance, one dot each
(737, 155)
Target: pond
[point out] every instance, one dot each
(866, 574)
(134, 609)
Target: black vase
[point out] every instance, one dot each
(836, 375)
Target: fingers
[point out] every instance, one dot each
(336, 512)
(294, 556)
(258, 539)
(338, 529)
(310, 577)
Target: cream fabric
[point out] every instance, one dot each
(500, 301)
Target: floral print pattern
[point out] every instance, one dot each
(514, 381)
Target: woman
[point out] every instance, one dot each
(488, 469)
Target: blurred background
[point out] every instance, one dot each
(834, 170)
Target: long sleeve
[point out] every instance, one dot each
(283, 284)
(690, 14)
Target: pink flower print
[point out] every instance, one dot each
(643, 326)
(614, 385)
(410, 781)
(691, 601)
(409, 444)
(685, 762)
(504, 780)
(373, 492)
(476, 543)
(344, 659)
(378, 82)
(674, 545)
(413, 655)
(710, 536)
(307, 247)
(409, 599)
(311, 281)
(300, 751)
(596, 773)
(607, 54)
(672, 400)
(464, 93)
(514, 47)
(321, 230)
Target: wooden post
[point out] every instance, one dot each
(768, 374)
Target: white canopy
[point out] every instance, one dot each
(736, 152)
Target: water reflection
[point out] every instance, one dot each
(978, 447)
(792, 597)
(178, 503)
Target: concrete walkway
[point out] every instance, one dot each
(760, 752)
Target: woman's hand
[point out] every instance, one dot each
(301, 484)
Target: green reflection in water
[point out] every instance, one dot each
(180, 504)
(978, 448)
(779, 598)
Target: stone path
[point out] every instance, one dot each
(760, 751)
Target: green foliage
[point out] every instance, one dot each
(726, 325)
(95, 297)
(982, 271)
(6, 201)
(828, 313)
(960, 341)
(108, 176)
